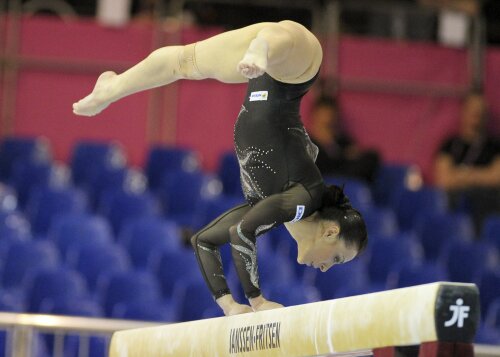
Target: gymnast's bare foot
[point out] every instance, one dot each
(254, 63)
(99, 99)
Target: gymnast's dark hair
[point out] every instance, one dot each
(337, 207)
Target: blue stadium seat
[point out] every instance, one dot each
(24, 258)
(487, 336)
(144, 311)
(273, 268)
(69, 231)
(390, 180)
(97, 261)
(436, 231)
(48, 202)
(28, 175)
(489, 286)
(8, 199)
(411, 204)
(54, 283)
(75, 307)
(388, 253)
(14, 225)
(89, 158)
(109, 179)
(209, 209)
(280, 239)
(191, 298)
(104, 180)
(416, 274)
(11, 302)
(229, 174)
(5, 244)
(97, 346)
(282, 243)
(70, 306)
(182, 194)
(358, 191)
(294, 293)
(465, 260)
(16, 149)
(212, 312)
(234, 284)
(380, 221)
(346, 291)
(121, 206)
(145, 239)
(174, 266)
(128, 286)
(492, 319)
(162, 160)
(352, 274)
(490, 231)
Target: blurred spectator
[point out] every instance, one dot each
(489, 10)
(398, 19)
(470, 7)
(338, 153)
(468, 164)
(60, 8)
(491, 13)
(147, 10)
(454, 19)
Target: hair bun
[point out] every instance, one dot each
(335, 196)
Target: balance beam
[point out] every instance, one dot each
(419, 315)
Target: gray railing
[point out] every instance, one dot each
(23, 330)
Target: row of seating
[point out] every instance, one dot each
(174, 177)
(130, 223)
(190, 199)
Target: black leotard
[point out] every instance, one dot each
(279, 179)
(273, 148)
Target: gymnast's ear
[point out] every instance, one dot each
(332, 231)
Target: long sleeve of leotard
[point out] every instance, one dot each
(290, 205)
(206, 245)
(240, 227)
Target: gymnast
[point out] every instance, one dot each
(280, 181)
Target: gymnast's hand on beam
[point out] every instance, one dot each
(236, 309)
(231, 307)
(260, 304)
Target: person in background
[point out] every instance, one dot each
(470, 7)
(468, 164)
(338, 153)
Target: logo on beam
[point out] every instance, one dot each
(255, 338)
(460, 313)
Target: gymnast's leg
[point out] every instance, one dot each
(285, 50)
(206, 247)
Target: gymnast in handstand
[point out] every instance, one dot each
(280, 181)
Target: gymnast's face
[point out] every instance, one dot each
(325, 249)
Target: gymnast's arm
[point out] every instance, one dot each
(293, 204)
